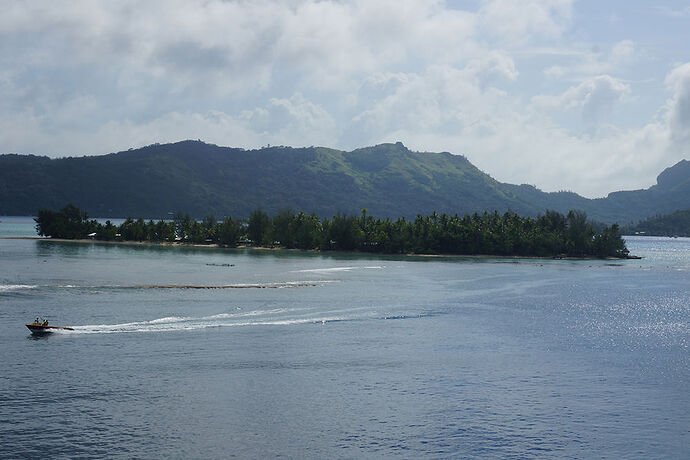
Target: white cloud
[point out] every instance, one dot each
(295, 121)
(593, 62)
(447, 109)
(678, 80)
(496, 63)
(622, 53)
(679, 13)
(516, 23)
(24, 133)
(444, 99)
(96, 76)
(592, 96)
(518, 145)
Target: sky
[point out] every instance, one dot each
(585, 96)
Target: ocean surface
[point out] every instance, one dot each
(210, 353)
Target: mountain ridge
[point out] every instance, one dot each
(387, 179)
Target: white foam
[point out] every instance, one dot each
(16, 287)
(177, 323)
(288, 322)
(250, 313)
(338, 269)
(169, 319)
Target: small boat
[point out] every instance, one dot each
(44, 328)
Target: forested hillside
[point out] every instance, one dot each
(387, 179)
(674, 224)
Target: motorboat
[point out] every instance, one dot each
(38, 327)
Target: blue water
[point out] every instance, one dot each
(207, 353)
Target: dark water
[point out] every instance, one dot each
(183, 352)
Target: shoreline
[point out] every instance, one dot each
(268, 248)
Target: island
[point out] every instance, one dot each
(551, 234)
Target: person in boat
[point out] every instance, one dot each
(37, 320)
(45, 322)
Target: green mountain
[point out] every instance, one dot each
(387, 179)
(674, 224)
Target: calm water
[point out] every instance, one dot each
(311, 356)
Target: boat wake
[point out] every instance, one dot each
(16, 287)
(270, 317)
(338, 269)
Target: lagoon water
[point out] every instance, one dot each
(210, 353)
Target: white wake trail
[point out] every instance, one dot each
(16, 287)
(275, 316)
(339, 269)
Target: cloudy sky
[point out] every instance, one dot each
(589, 96)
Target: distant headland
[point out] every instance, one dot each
(387, 179)
(673, 225)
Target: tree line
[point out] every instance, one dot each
(508, 234)
(674, 224)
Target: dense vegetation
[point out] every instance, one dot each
(551, 234)
(675, 224)
(388, 179)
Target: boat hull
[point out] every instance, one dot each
(37, 328)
